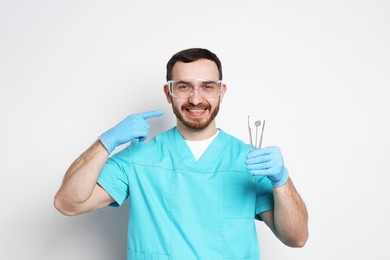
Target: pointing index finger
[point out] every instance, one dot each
(150, 114)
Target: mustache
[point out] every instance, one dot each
(200, 106)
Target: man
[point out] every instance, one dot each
(194, 190)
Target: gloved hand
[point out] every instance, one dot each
(268, 162)
(132, 127)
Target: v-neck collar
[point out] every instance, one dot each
(185, 157)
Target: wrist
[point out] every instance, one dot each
(280, 179)
(108, 142)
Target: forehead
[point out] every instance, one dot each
(200, 69)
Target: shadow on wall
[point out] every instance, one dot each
(98, 235)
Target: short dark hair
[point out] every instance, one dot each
(190, 55)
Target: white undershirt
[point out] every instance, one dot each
(198, 147)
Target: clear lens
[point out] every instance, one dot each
(184, 89)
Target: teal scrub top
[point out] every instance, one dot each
(181, 208)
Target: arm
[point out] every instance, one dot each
(79, 192)
(288, 220)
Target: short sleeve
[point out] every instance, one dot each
(264, 195)
(113, 178)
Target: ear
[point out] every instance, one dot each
(167, 94)
(223, 91)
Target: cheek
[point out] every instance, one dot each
(176, 105)
(215, 103)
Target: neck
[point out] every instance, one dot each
(196, 134)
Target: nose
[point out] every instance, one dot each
(195, 98)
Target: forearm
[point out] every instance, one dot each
(80, 179)
(290, 215)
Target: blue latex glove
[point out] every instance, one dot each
(132, 127)
(268, 162)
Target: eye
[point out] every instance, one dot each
(209, 87)
(183, 87)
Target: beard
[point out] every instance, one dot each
(196, 124)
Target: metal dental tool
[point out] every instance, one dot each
(257, 124)
(261, 137)
(250, 135)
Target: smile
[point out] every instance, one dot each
(196, 110)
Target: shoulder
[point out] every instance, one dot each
(233, 141)
(156, 140)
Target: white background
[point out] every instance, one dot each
(317, 71)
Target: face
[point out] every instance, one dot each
(195, 112)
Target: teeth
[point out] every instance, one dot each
(196, 111)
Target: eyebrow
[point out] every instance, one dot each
(189, 82)
(209, 81)
(182, 82)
